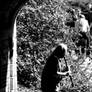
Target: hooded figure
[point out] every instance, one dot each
(50, 78)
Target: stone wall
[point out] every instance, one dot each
(8, 12)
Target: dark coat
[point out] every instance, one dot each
(50, 77)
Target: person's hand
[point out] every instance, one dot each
(67, 74)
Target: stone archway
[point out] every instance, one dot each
(8, 12)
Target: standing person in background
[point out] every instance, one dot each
(83, 28)
(81, 24)
(50, 78)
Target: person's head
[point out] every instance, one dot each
(79, 11)
(60, 50)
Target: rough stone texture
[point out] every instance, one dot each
(8, 11)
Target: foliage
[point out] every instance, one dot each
(41, 25)
(39, 29)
